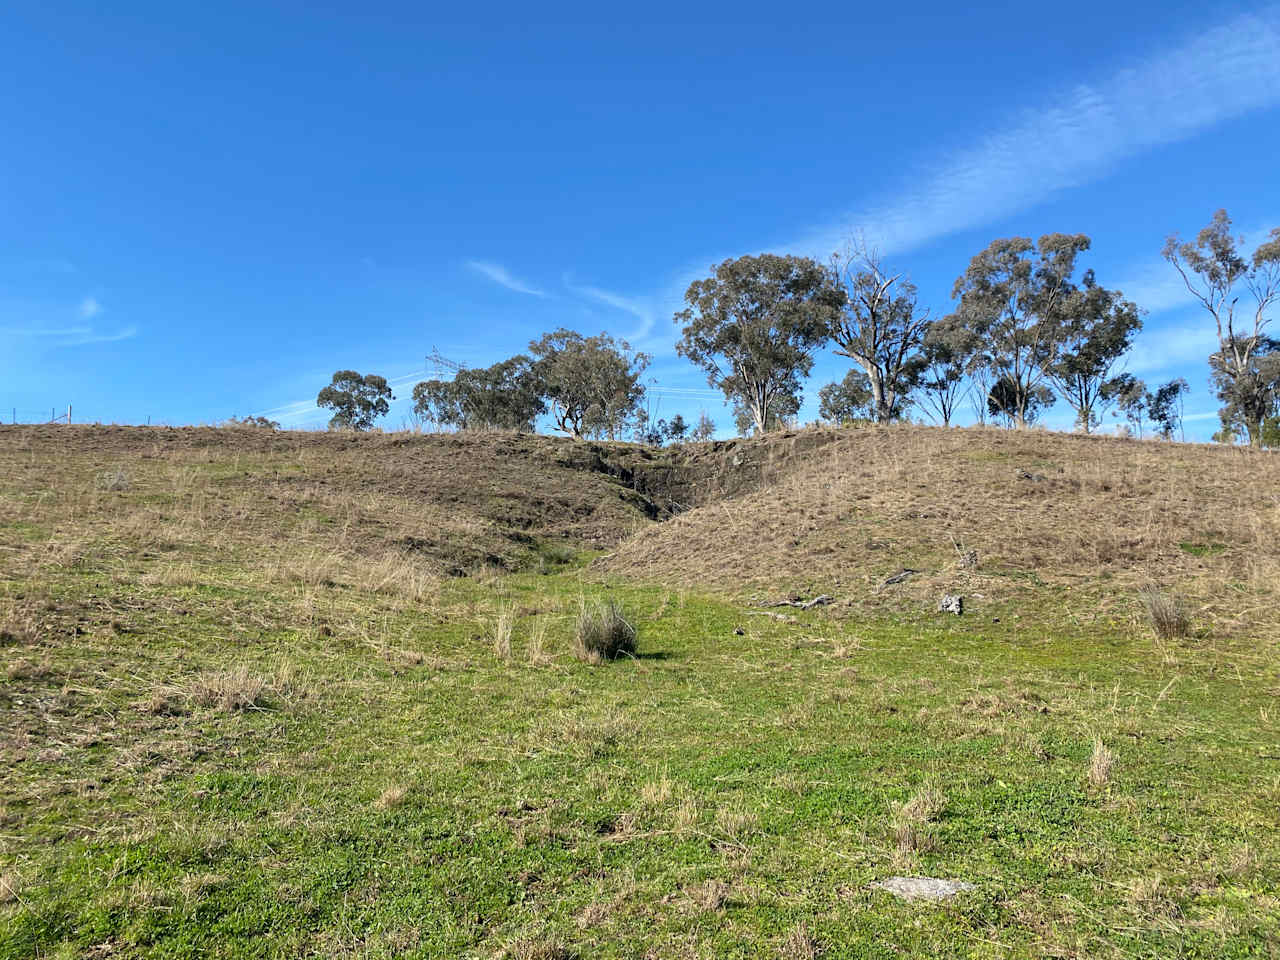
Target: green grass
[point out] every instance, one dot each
(399, 791)
(235, 723)
(1202, 549)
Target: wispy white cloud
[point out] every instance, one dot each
(501, 276)
(45, 331)
(1219, 74)
(70, 336)
(127, 333)
(638, 308)
(89, 308)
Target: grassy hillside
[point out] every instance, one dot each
(258, 698)
(1056, 521)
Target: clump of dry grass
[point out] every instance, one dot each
(911, 838)
(658, 792)
(391, 797)
(1148, 895)
(501, 630)
(539, 655)
(799, 944)
(230, 690)
(603, 632)
(733, 823)
(687, 815)
(710, 896)
(910, 822)
(10, 885)
(924, 806)
(19, 630)
(1166, 613)
(165, 701)
(1101, 762)
(28, 668)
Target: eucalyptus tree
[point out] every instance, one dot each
(592, 384)
(881, 328)
(947, 351)
(753, 327)
(505, 396)
(1165, 406)
(356, 401)
(848, 400)
(1129, 394)
(1097, 328)
(1013, 299)
(1250, 395)
(1218, 275)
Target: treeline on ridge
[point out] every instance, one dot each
(1029, 327)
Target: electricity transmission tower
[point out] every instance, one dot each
(438, 363)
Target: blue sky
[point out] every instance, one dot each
(209, 208)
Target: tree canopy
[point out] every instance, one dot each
(753, 327)
(1097, 328)
(505, 396)
(356, 401)
(593, 384)
(880, 327)
(1014, 298)
(1218, 275)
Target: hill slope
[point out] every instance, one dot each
(1040, 509)
(248, 707)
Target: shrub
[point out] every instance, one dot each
(1165, 611)
(603, 632)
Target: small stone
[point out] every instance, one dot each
(901, 576)
(923, 888)
(951, 603)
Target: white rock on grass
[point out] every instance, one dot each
(923, 888)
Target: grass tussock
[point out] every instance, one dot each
(1101, 763)
(603, 632)
(709, 896)
(229, 691)
(800, 944)
(500, 632)
(391, 797)
(539, 654)
(1166, 614)
(924, 806)
(10, 886)
(910, 831)
(239, 689)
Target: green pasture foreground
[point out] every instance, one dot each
(212, 766)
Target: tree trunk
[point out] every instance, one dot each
(877, 394)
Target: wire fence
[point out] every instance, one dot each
(42, 415)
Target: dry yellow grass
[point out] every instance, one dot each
(1101, 763)
(1093, 518)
